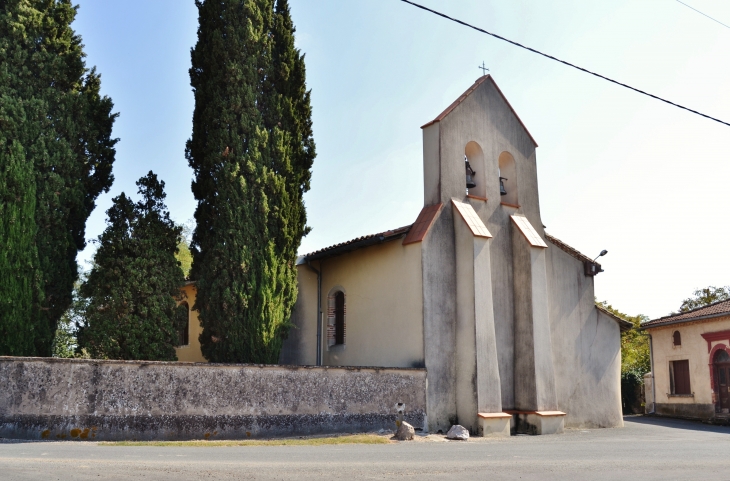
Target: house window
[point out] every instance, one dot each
(679, 377)
(336, 318)
(182, 324)
(340, 318)
(677, 338)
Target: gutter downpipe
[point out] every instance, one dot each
(653, 381)
(319, 311)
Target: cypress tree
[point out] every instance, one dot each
(66, 140)
(251, 152)
(19, 276)
(136, 279)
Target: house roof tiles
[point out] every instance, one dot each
(717, 309)
(356, 243)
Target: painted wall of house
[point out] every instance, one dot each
(383, 303)
(693, 348)
(50, 398)
(586, 347)
(300, 347)
(191, 352)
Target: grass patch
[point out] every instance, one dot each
(313, 441)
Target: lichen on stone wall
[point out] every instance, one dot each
(89, 399)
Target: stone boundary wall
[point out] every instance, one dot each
(49, 398)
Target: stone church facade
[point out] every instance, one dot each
(500, 314)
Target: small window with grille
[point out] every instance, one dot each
(336, 318)
(677, 338)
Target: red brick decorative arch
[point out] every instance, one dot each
(712, 367)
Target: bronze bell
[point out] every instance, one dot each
(501, 186)
(469, 173)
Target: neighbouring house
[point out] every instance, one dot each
(500, 313)
(188, 349)
(690, 363)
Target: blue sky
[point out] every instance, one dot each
(617, 170)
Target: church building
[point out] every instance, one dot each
(500, 313)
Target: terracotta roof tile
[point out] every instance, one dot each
(623, 324)
(468, 92)
(716, 309)
(356, 243)
(569, 250)
(423, 224)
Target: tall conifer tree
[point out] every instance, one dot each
(67, 146)
(251, 152)
(131, 291)
(20, 292)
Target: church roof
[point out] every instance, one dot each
(356, 243)
(423, 224)
(570, 250)
(468, 92)
(716, 309)
(623, 324)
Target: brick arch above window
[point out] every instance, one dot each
(336, 317)
(718, 347)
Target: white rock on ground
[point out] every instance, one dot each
(458, 432)
(405, 432)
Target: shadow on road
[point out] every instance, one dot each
(677, 424)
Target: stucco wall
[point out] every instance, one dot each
(586, 347)
(693, 348)
(45, 398)
(191, 352)
(383, 296)
(486, 119)
(300, 347)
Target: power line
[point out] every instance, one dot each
(713, 19)
(563, 61)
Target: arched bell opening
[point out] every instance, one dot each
(474, 164)
(508, 179)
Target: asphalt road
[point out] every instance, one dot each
(645, 449)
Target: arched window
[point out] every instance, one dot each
(676, 338)
(475, 157)
(182, 323)
(508, 179)
(336, 318)
(722, 356)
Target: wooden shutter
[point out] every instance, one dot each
(330, 321)
(340, 318)
(681, 377)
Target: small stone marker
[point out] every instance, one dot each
(405, 432)
(458, 432)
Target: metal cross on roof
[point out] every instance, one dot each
(484, 68)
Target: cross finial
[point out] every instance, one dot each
(484, 68)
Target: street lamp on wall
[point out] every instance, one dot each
(591, 267)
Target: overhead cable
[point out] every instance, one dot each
(564, 62)
(713, 19)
